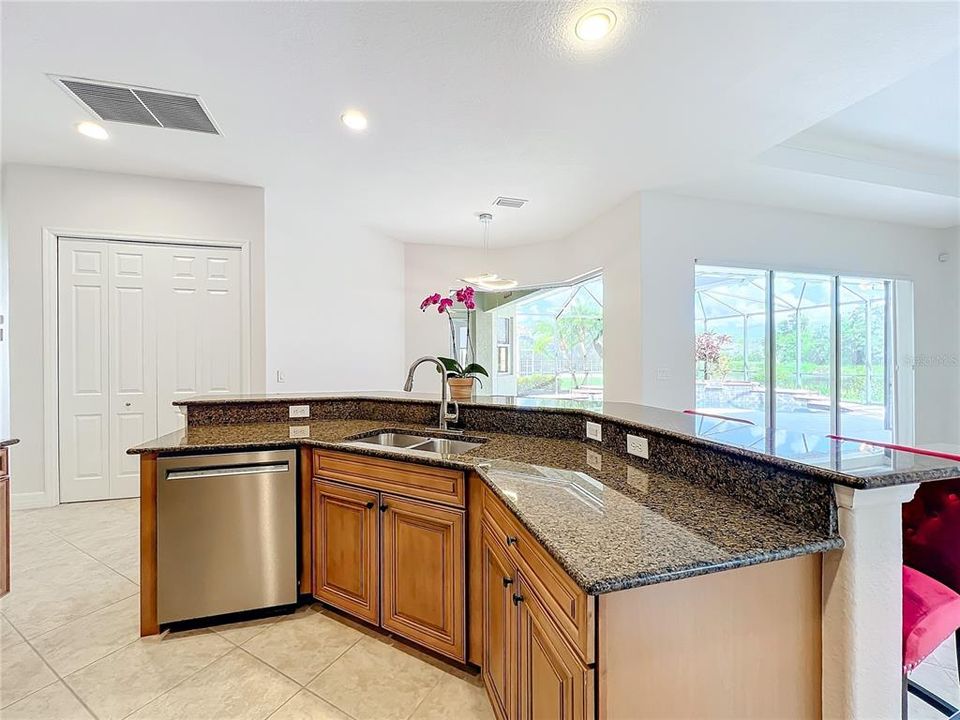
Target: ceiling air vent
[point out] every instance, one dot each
(113, 102)
(509, 202)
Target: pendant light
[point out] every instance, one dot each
(488, 280)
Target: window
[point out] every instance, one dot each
(504, 327)
(541, 342)
(794, 351)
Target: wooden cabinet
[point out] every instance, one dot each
(346, 549)
(554, 684)
(389, 559)
(533, 666)
(423, 573)
(498, 663)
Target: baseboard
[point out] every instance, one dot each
(29, 500)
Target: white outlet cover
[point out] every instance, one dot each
(299, 431)
(299, 411)
(594, 431)
(638, 446)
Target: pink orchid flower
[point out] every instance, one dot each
(430, 300)
(444, 304)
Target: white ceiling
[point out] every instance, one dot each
(466, 101)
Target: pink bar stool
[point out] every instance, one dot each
(931, 613)
(931, 554)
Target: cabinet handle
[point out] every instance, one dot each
(517, 599)
(369, 504)
(507, 582)
(511, 540)
(383, 508)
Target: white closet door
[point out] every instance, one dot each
(140, 327)
(199, 327)
(84, 370)
(133, 361)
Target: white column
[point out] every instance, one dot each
(863, 606)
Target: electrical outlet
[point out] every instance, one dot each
(281, 376)
(299, 431)
(299, 411)
(594, 431)
(638, 446)
(663, 373)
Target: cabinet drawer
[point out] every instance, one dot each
(420, 481)
(4, 470)
(570, 607)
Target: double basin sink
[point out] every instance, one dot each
(421, 443)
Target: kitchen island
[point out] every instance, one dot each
(687, 584)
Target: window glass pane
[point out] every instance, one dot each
(866, 407)
(560, 342)
(731, 329)
(803, 351)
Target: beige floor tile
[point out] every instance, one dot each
(374, 681)
(128, 679)
(304, 645)
(455, 698)
(79, 643)
(51, 599)
(946, 655)
(54, 702)
(235, 687)
(938, 680)
(8, 634)
(22, 672)
(239, 632)
(307, 706)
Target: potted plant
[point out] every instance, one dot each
(460, 378)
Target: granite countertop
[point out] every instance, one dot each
(8, 441)
(846, 462)
(610, 524)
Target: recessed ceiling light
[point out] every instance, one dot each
(355, 120)
(92, 130)
(595, 25)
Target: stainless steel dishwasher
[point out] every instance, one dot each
(226, 533)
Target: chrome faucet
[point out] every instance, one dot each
(445, 401)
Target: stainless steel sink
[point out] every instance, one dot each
(395, 440)
(402, 441)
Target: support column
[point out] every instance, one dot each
(863, 606)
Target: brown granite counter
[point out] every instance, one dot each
(843, 462)
(610, 523)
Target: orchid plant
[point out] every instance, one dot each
(464, 296)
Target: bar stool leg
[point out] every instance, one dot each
(903, 700)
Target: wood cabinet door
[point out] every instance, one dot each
(499, 661)
(423, 574)
(554, 684)
(4, 535)
(346, 552)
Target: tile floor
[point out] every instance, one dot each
(69, 645)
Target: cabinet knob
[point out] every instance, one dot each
(507, 582)
(384, 508)
(369, 504)
(511, 540)
(517, 599)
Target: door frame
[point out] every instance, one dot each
(51, 328)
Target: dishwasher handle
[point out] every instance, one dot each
(200, 473)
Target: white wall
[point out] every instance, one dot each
(677, 230)
(35, 197)
(611, 241)
(334, 299)
(647, 246)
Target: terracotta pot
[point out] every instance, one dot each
(461, 388)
